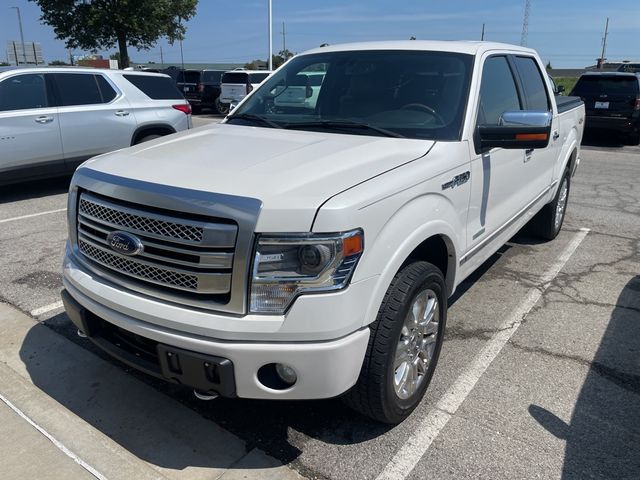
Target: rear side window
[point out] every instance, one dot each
(156, 88)
(213, 77)
(106, 90)
(498, 93)
(606, 85)
(534, 88)
(258, 77)
(77, 89)
(22, 92)
(235, 77)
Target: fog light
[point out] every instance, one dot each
(286, 373)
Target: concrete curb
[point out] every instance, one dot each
(119, 426)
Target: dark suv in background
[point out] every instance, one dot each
(201, 88)
(612, 102)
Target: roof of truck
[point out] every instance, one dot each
(459, 46)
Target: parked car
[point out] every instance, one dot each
(612, 101)
(308, 251)
(237, 84)
(206, 92)
(53, 119)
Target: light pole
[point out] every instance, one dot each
(24, 51)
(270, 62)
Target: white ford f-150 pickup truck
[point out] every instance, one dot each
(306, 249)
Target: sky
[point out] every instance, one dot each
(568, 33)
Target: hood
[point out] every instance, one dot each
(291, 172)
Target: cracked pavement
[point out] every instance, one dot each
(562, 399)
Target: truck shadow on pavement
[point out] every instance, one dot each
(603, 436)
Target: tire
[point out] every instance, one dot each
(222, 108)
(548, 222)
(146, 138)
(378, 392)
(634, 139)
(196, 109)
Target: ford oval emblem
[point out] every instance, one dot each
(124, 243)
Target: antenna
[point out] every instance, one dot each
(525, 23)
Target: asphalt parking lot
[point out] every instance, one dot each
(539, 375)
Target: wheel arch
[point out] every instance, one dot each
(151, 129)
(398, 244)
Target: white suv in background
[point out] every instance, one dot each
(237, 84)
(53, 119)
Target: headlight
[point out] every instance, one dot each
(289, 265)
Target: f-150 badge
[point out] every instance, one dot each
(457, 180)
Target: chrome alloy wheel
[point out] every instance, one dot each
(417, 344)
(562, 203)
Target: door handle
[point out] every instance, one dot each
(121, 113)
(556, 135)
(44, 119)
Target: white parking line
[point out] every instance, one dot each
(53, 440)
(33, 215)
(46, 309)
(428, 429)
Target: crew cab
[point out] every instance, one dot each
(306, 249)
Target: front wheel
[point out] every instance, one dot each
(404, 345)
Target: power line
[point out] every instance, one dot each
(525, 23)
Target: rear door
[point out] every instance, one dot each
(187, 82)
(233, 87)
(536, 97)
(608, 95)
(29, 126)
(94, 116)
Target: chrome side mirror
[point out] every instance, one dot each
(517, 130)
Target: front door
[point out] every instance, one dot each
(29, 128)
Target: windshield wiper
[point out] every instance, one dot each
(344, 124)
(252, 118)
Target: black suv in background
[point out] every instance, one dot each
(612, 102)
(201, 88)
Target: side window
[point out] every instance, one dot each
(106, 90)
(534, 88)
(498, 93)
(155, 87)
(77, 89)
(22, 92)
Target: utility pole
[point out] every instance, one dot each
(270, 60)
(181, 52)
(284, 39)
(482, 36)
(604, 45)
(525, 23)
(24, 52)
(161, 57)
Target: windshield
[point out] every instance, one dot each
(211, 76)
(603, 84)
(414, 94)
(235, 77)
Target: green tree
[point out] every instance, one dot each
(91, 24)
(57, 63)
(4, 64)
(549, 67)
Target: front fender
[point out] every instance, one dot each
(400, 236)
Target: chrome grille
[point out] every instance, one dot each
(156, 226)
(179, 253)
(140, 270)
